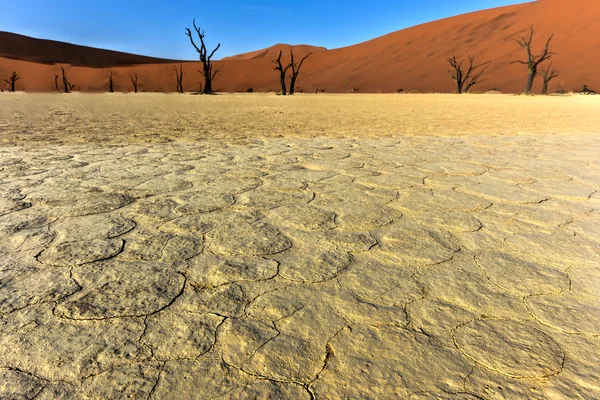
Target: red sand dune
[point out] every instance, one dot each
(411, 59)
(272, 52)
(42, 51)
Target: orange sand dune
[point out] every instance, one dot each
(42, 51)
(411, 59)
(272, 52)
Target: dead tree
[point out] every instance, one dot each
(469, 77)
(548, 74)
(179, 77)
(56, 82)
(295, 71)
(111, 82)
(134, 82)
(533, 61)
(68, 86)
(282, 71)
(207, 67)
(587, 90)
(12, 80)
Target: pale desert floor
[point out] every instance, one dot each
(316, 247)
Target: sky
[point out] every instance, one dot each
(156, 28)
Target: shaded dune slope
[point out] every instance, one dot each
(24, 48)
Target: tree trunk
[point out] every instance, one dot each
(66, 83)
(283, 87)
(12, 86)
(531, 73)
(207, 87)
(293, 84)
(207, 79)
(458, 87)
(545, 87)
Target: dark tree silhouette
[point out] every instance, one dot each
(68, 86)
(111, 82)
(12, 80)
(282, 71)
(295, 71)
(134, 82)
(548, 74)
(587, 90)
(207, 67)
(56, 82)
(179, 77)
(533, 61)
(466, 78)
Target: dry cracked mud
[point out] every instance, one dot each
(409, 266)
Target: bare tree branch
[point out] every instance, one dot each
(68, 86)
(179, 78)
(214, 51)
(111, 82)
(473, 76)
(134, 82)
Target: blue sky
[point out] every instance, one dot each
(155, 28)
